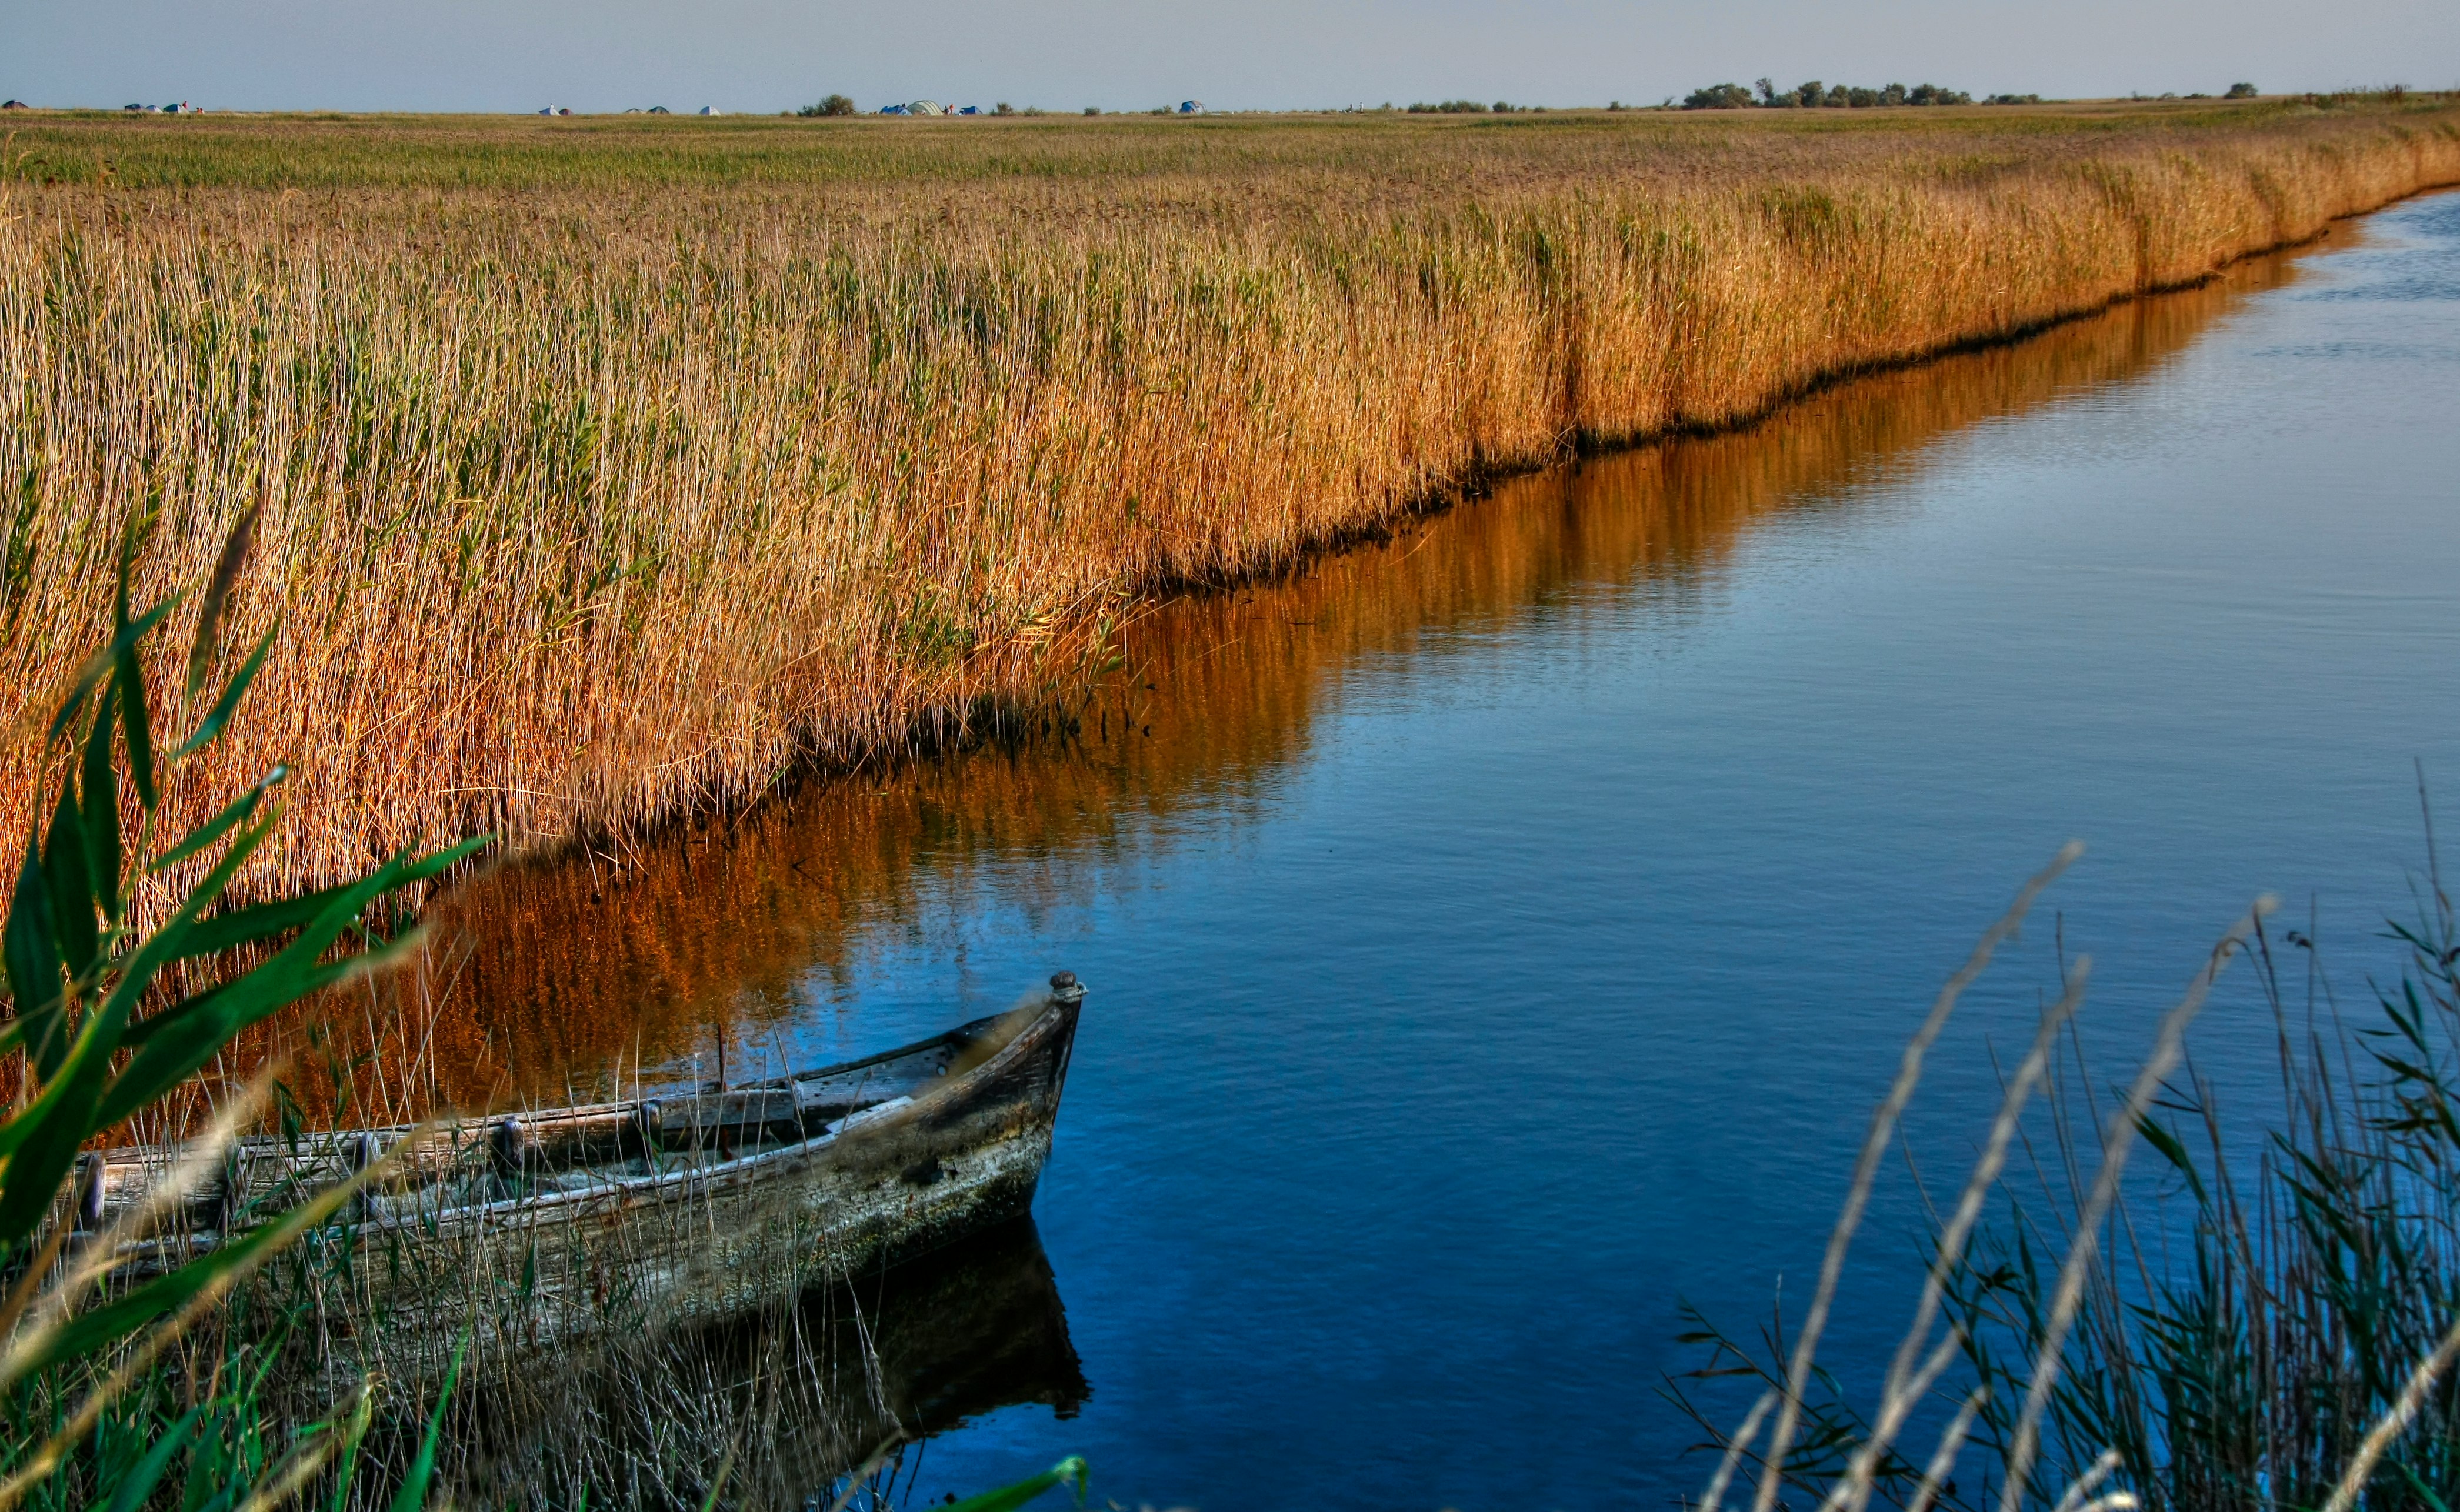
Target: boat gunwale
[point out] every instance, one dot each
(142, 1155)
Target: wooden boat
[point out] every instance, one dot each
(697, 1205)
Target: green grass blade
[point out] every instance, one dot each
(33, 956)
(235, 813)
(196, 1029)
(354, 1433)
(260, 921)
(144, 1030)
(1008, 1497)
(98, 806)
(43, 1141)
(46, 1136)
(130, 678)
(2424, 1492)
(64, 872)
(232, 692)
(412, 1496)
(99, 665)
(138, 1489)
(135, 724)
(2175, 1153)
(23, 1125)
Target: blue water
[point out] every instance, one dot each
(1506, 931)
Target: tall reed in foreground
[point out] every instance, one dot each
(107, 1016)
(2286, 1341)
(647, 465)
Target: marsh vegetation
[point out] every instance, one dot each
(607, 468)
(351, 413)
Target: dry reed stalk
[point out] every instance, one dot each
(606, 493)
(2394, 1421)
(1732, 1460)
(1866, 1170)
(2076, 1271)
(1951, 1444)
(1907, 1385)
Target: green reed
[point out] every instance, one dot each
(2273, 1326)
(2291, 1345)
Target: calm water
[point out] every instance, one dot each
(1501, 933)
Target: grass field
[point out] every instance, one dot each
(609, 468)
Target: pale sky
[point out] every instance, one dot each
(753, 55)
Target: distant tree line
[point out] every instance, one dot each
(1814, 95)
(1761, 94)
(1468, 108)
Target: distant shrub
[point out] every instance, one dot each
(1448, 108)
(1718, 97)
(1003, 108)
(2240, 90)
(829, 105)
(2027, 99)
(1093, 110)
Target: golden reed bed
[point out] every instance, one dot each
(610, 469)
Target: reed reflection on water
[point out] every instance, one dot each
(549, 979)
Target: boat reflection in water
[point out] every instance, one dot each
(826, 1400)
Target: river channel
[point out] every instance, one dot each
(1499, 935)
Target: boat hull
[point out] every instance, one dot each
(740, 1214)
